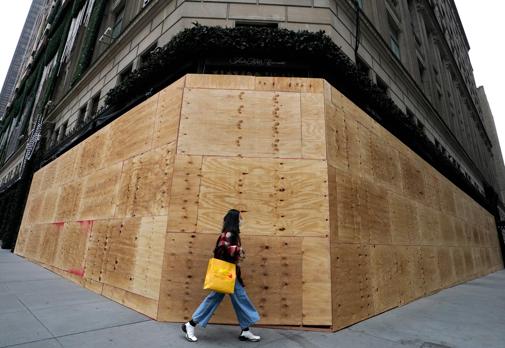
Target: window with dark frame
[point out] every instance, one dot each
(81, 117)
(145, 56)
(63, 130)
(125, 73)
(56, 135)
(394, 41)
(117, 27)
(94, 105)
(422, 70)
(411, 115)
(382, 85)
(362, 66)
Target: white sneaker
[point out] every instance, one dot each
(248, 336)
(189, 330)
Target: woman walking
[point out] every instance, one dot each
(228, 248)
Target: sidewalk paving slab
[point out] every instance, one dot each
(39, 309)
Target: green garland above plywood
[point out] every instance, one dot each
(88, 46)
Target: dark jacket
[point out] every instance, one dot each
(228, 248)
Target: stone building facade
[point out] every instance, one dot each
(416, 50)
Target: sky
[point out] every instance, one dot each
(483, 22)
(12, 18)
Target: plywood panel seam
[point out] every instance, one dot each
(180, 120)
(151, 145)
(118, 188)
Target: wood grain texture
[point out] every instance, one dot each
(277, 197)
(72, 247)
(412, 179)
(316, 284)
(49, 204)
(336, 137)
(289, 84)
(240, 123)
(386, 169)
(133, 261)
(185, 194)
(384, 277)
(352, 291)
(146, 180)
(99, 193)
(220, 82)
(68, 202)
(168, 114)
(137, 302)
(132, 133)
(313, 126)
(404, 224)
(92, 154)
(99, 244)
(342, 220)
(65, 166)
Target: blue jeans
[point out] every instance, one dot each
(244, 309)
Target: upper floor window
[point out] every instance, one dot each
(94, 105)
(145, 56)
(117, 27)
(394, 38)
(125, 73)
(63, 131)
(360, 3)
(362, 66)
(82, 115)
(382, 85)
(422, 70)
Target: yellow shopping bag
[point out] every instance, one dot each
(220, 276)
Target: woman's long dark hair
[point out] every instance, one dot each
(231, 221)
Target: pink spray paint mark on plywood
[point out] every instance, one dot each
(59, 224)
(86, 225)
(77, 271)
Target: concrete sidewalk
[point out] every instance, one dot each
(41, 309)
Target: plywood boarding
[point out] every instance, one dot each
(289, 84)
(278, 197)
(351, 284)
(69, 201)
(413, 222)
(272, 273)
(385, 163)
(185, 194)
(384, 277)
(134, 259)
(316, 285)
(92, 154)
(99, 193)
(168, 114)
(65, 167)
(132, 300)
(313, 126)
(121, 176)
(133, 212)
(221, 82)
(144, 189)
(404, 220)
(240, 123)
(132, 133)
